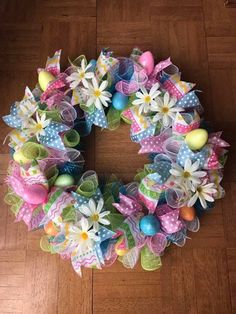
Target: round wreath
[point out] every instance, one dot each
(94, 223)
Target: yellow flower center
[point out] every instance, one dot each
(165, 109)
(95, 217)
(186, 174)
(97, 93)
(82, 74)
(147, 99)
(38, 126)
(84, 235)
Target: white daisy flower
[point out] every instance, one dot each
(82, 75)
(203, 192)
(145, 99)
(165, 109)
(97, 95)
(94, 213)
(81, 234)
(189, 175)
(37, 127)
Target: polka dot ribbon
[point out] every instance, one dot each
(169, 219)
(52, 138)
(98, 118)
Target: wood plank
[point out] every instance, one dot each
(231, 259)
(11, 306)
(119, 290)
(219, 20)
(212, 286)
(200, 37)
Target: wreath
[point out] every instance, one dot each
(91, 221)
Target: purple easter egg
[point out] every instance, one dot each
(147, 61)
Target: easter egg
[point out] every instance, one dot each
(20, 158)
(187, 213)
(51, 229)
(120, 247)
(119, 101)
(196, 139)
(147, 61)
(44, 79)
(64, 180)
(35, 194)
(149, 225)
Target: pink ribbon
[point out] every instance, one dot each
(153, 77)
(128, 205)
(25, 213)
(216, 141)
(154, 144)
(169, 219)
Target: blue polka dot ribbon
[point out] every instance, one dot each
(190, 100)
(104, 235)
(144, 134)
(160, 171)
(80, 199)
(52, 138)
(98, 118)
(186, 153)
(12, 120)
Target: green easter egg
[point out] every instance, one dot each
(64, 180)
(44, 79)
(196, 139)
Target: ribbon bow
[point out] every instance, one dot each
(53, 93)
(135, 241)
(19, 180)
(141, 126)
(52, 138)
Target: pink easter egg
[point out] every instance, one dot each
(147, 61)
(35, 194)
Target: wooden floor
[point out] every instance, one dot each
(200, 35)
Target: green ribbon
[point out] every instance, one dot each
(71, 138)
(124, 227)
(140, 175)
(149, 261)
(153, 194)
(113, 118)
(116, 220)
(45, 244)
(87, 188)
(51, 174)
(68, 214)
(87, 109)
(31, 150)
(14, 201)
(52, 114)
(52, 200)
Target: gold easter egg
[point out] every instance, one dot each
(44, 79)
(196, 139)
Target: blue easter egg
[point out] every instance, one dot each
(149, 225)
(119, 101)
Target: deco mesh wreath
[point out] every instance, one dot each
(91, 223)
